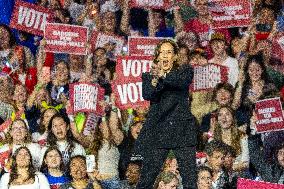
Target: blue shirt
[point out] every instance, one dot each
(56, 182)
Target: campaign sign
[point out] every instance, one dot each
(85, 97)
(128, 67)
(30, 18)
(207, 77)
(115, 43)
(251, 184)
(227, 14)
(153, 4)
(269, 115)
(143, 46)
(63, 38)
(278, 47)
(128, 93)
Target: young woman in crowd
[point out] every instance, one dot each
(40, 136)
(221, 57)
(60, 135)
(23, 175)
(18, 135)
(226, 131)
(79, 176)
(53, 168)
(16, 60)
(205, 175)
(103, 146)
(127, 146)
(59, 86)
(253, 85)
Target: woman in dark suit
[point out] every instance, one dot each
(169, 124)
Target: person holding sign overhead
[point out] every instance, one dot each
(169, 124)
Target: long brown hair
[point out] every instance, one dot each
(14, 168)
(8, 137)
(98, 141)
(236, 135)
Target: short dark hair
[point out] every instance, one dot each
(204, 168)
(214, 146)
(223, 85)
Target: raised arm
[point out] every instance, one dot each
(124, 24)
(178, 20)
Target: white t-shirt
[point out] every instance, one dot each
(108, 157)
(233, 69)
(40, 182)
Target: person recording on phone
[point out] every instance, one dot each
(169, 124)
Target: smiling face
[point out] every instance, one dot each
(254, 71)
(20, 94)
(166, 56)
(23, 158)
(223, 97)
(225, 118)
(78, 169)
(62, 72)
(216, 161)
(59, 128)
(53, 159)
(218, 47)
(109, 22)
(204, 180)
(19, 131)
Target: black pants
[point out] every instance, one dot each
(154, 160)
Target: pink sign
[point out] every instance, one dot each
(128, 93)
(128, 67)
(30, 18)
(251, 184)
(63, 38)
(207, 77)
(278, 46)
(154, 4)
(227, 14)
(85, 97)
(269, 115)
(114, 43)
(143, 46)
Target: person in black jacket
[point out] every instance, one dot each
(273, 172)
(169, 124)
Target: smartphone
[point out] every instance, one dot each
(90, 162)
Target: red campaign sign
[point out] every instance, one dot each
(154, 4)
(143, 46)
(63, 38)
(99, 39)
(269, 115)
(85, 97)
(207, 77)
(251, 184)
(30, 18)
(128, 93)
(228, 14)
(278, 46)
(129, 67)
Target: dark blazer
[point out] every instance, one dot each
(169, 123)
(268, 172)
